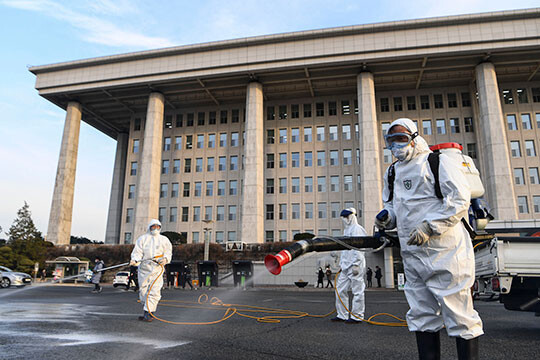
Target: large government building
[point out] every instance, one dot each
(273, 135)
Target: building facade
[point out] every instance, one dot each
(274, 135)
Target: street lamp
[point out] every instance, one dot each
(207, 229)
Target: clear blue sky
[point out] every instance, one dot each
(38, 32)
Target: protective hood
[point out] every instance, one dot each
(349, 217)
(153, 222)
(420, 145)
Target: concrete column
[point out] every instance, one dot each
(253, 192)
(494, 145)
(147, 202)
(59, 229)
(114, 218)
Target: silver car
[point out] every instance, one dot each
(10, 277)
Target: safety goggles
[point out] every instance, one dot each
(399, 140)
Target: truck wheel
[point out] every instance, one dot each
(5, 283)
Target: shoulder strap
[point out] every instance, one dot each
(433, 159)
(391, 177)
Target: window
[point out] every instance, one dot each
(356, 132)
(538, 120)
(269, 186)
(511, 120)
(507, 96)
(269, 236)
(526, 121)
(270, 136)
(210, 164)
(515, 149)
(334, 207)
(387, 156)
(295, 185)
(195, 237)
(533, 176)
(424, 102)
(174, 190)
(282, 112)
(469, 128)
(223, 140)
(221, 188)
(385, 126)
(196, 213)
(334, 158)
(212, 118)
(207, 213)
(198, 189)
(198, 165)
(282, 136)
(307, 110)
(223, 115)
(233, 187)
(220, 213)
(385, 106)
(536, 94)
(426, 126)
(523, 206)
(347, 157)
(295, 213)
(308, 210)
(452, 100)
(282, 185)
(176, 166)
(321, 183)
(167, 144)
(187, 165)
(162, 214)
(529, 148)
(231, 236)
(465, 99)
(131, 192)
(222, 163)
(411, 103)
(189, 142)
(348, 204)
(233, 163)
(437, 101)
(308, 158)
(398, 104)
(270, 113)
(471, 150)
(185, 214)
(135, 146)
(319, 109)
(347, 183)
(359, 182)
(178, 143)
(454, 125)
(269, 211)
(209, 188)
(295, 159)
(282, 160)
(235, 115)
(334, 183)
(320, 133)
(234, 139)
(321, 210)
(536, 204)
(137, 124)
(185, 193)
(200, 118)
(358, 156)
(519, 177)
(190, 118)
(295, 135)
(308, 184)
(282, 211)
(441, 128)
(173, 214)
(179, 118)
(346, 135)
(295, 111)
(332, 133)
(345, 107)
(269, 161)
(332, 108)
(129, 215)
(163, 190)
(127, 238)
(165, 167)
(307, 134)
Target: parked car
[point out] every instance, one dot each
(10, 277)
(121, 279)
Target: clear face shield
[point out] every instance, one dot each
(399, 140)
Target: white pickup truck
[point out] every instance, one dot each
(508, 267)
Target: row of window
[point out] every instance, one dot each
(440, 126)
(308, 184)
(269, 234)
(308, 211)
(523, 204)
(526, 123)
(426, 102)
(522, 95)
(284, 112)
(195, 237)
(515, 148)
(519, 176)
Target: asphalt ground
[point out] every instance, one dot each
(68, 322)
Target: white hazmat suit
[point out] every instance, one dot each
(353, 265)
(149, 246)
(440, 271)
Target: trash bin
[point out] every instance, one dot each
(242, 273)
(175, 273)
(208, 273)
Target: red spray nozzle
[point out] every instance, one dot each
(274, 262)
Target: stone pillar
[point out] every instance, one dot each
(59, 229)
(494, 145)
(253, 191)
(388, 268)
(114, 218)
(147, 202)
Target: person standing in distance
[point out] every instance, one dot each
(436, 248)
(378, 275)
(96, 275)
(152, 251)
(353, 268)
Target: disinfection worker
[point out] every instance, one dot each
(151, 252)
(436, 248)
(353, 265)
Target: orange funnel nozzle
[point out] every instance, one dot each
(274, 262)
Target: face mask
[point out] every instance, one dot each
(154, 232)
(401, 150)
(347, 220)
